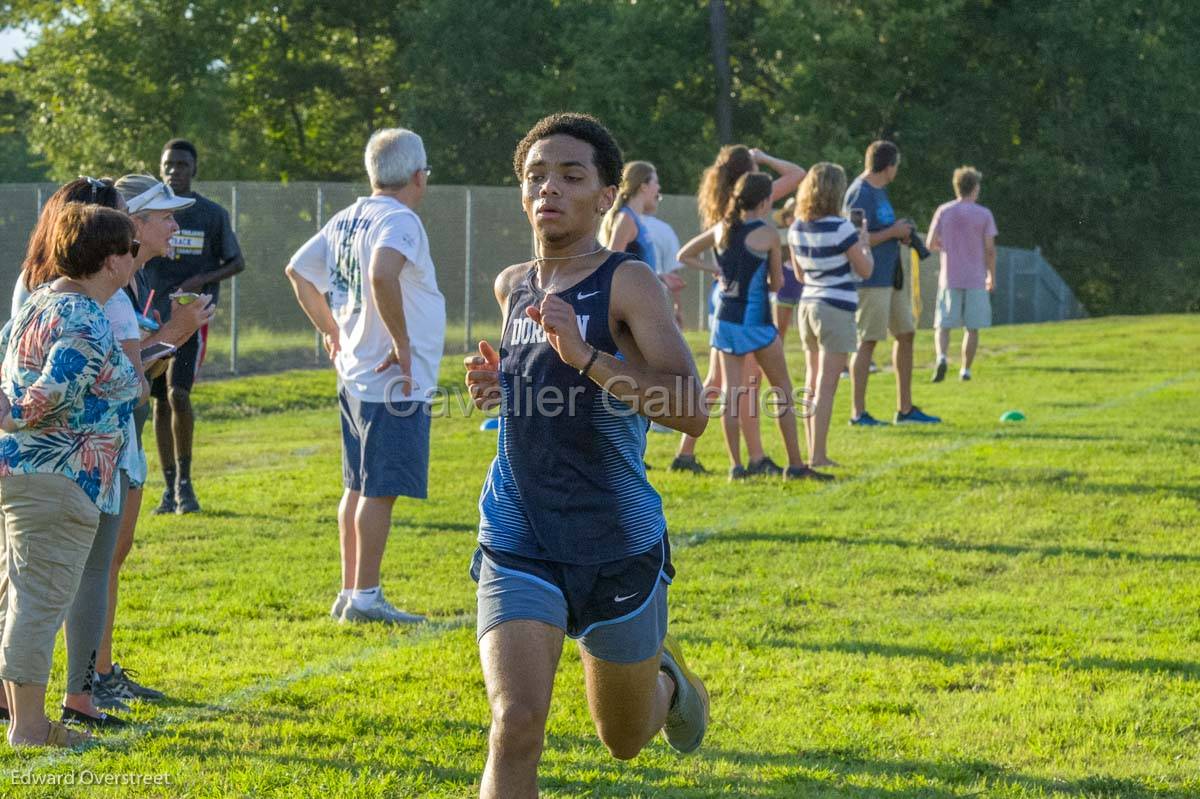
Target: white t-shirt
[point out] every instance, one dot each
(337, 260)
(123, 321)
(666, 244)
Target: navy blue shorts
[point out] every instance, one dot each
(791, 291)
(617, 611)
(385, 447)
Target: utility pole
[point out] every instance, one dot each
(719, 28)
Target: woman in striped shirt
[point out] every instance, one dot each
(828, 253)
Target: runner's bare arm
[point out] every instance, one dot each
(657, 377)
(483, 369)
(689, 254)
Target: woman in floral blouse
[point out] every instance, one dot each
(68, 390)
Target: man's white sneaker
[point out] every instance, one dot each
(379, 611)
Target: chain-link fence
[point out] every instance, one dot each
(474, 232)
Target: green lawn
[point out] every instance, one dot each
(976, 609)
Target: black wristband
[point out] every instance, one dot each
(592, 360)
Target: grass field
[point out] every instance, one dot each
(975, 609)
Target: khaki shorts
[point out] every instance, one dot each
(969, 308)
(825, 328)
(882, 309)
(47, 526)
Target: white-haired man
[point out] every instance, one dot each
(383, 324)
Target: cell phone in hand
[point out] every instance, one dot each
(157, 350)
(857, 217)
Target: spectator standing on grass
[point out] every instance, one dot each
(750, 264)
(884, 304)
(785, 301)
(383, 325)
(716, 190)
(84, 627)
(152, 207)
(572, 536)
(829, 254)
(68, 393)
(965, 234)
(203, 253)
(666, 244)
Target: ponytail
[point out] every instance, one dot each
(633, 177)
(748, 193)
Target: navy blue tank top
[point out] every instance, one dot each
(568, 483)
(743, 297)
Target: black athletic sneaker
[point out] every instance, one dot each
(806, 473)
(186, 498)
(939, 374)
(687, 463)
(737, 473)
(764, 466)
(104, 721)
(167, 505)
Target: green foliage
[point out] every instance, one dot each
(1080, 114)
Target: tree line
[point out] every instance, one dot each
(1080, 113)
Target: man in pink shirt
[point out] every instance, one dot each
(965, 234)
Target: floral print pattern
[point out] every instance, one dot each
(72, 391)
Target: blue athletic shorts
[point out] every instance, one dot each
(385, 447)
(617, 611)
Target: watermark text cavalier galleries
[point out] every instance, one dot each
(554, 401)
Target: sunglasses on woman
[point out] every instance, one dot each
(134, 246)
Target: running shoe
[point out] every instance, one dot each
(867, 420)
(186, 501)
(915, 416)
(844, 374)
(806, 473)
(135, 690)
(102, 722)
(939, 374)
(737, 473)
(167, 504)
(764, 466)
(379, 611)
(339, 607)
(964, 375)
(687, 717)
(687, 463)
(110, 694)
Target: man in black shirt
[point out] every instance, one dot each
(204, 252)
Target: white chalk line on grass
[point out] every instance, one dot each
(875, 472)
(248, 693)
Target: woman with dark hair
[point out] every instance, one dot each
(750, 264)
(68, 390)
(716, 189)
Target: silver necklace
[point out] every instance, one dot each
(537, 276)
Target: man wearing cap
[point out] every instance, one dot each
(204, 252)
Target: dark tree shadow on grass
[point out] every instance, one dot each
(1178, 668)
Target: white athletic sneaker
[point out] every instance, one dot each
(339, 607)
(379, 611)
(687, 718)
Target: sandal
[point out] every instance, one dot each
(63, 737)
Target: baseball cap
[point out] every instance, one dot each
(158, 197)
